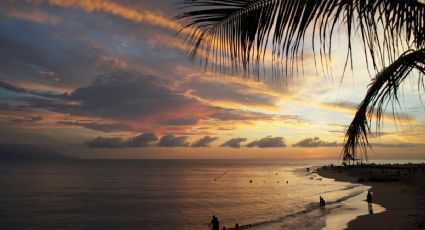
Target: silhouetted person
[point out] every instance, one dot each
(214, 224)
(236, 226)
(369, 199)
(322, 202)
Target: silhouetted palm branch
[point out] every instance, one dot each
(382, 91)
(238, 33)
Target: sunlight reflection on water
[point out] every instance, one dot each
(122, 194)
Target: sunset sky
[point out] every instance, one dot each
(111, 79)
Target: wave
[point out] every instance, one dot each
(309, 208)
(222, 175)
(342, 189)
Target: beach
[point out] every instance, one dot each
(399, 189)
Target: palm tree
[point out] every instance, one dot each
(236, 35)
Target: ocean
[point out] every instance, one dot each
(165, 194)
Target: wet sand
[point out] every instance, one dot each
(404, 201)
(340, 214)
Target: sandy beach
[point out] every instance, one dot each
(401, 194)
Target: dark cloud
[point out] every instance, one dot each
(268, 142)
(38, 50)
(315, 142)
(11, 87)
(106, 142)
(130, 99)
(142, 140)
(104, 127)
(27, 119)
(241, 115)
(17, 89)
(204, 141)
(173, 141)
(225, 91)
(234, 142)
(123, 96)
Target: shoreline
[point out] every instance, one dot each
(403, 197)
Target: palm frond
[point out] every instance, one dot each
(239, 33)
(382, 91)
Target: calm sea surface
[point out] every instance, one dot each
(164, 194)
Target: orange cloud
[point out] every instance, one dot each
(36, 86)
(351, 109)
(129, 13)
(34, 16)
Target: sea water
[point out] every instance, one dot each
(165, 194)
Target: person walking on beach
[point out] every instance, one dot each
(214, 224)
(322, 202)
(369, 199)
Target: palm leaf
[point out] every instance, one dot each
(239, 33)
(382, 90)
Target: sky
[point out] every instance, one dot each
(111, 79)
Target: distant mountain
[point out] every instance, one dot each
(16, 151)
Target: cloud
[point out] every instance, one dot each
(125, 96)
(99, 126)
(48, 75)
(131, 102)
(142, 140)
(181, 121)
(33, 15)
(397, 145)
(11, 87)
(108, 62)
(234, 142)
(268, 142)
(224, 91)
(126, 12)
(204, 141)
(173, 141)
(32, 119)
(106, 142)
(74, 52)
(315, 142)
(351, 107)
(240, 115)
